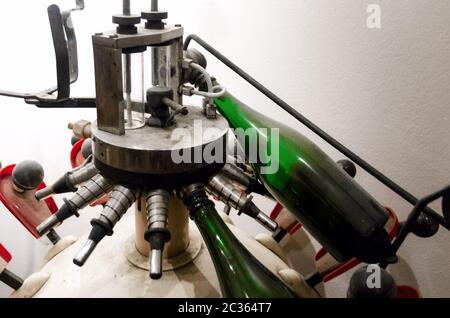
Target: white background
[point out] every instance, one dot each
(384, 93)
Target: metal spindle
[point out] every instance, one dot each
(154, 5)
(126, 7)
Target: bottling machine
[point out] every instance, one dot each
(150, 148)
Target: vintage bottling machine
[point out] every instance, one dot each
(151, 149)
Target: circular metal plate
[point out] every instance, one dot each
(150, 154)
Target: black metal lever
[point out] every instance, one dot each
(61, 52)
(66, 55)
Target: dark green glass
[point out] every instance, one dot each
(240, 274)
(339, 213)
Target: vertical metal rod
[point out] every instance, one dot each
(143, 84)
(127, 62)
(168, 65)
(154, 5)
(126, 7)
(155, 66)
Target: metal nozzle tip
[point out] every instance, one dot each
(155, 276)
(267, 222)
(156, 264)
(53, 236)
(84, 253)
(43, 193)
(47, 225)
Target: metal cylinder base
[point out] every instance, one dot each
(163, 157)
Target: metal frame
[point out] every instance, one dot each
(108, 49)
(65, 44)
(144, 37)
(415, 213)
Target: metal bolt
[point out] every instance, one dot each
(113, 36)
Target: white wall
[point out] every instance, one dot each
(384, 93)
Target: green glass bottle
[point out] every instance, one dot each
(240, 274)
(339, 213)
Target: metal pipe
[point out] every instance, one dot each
(127, 75)
(156, 264)
(97, 187)
(155, 66)
(126, 7)
(69, 181)
(237, 174)
(218, 92)
(44, 193)
(208, 79)
(157, 234)
(222, 189)
(84, 253)
(154, 5)
(118, 204)
(177, 108)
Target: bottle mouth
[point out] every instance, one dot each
(374, 248)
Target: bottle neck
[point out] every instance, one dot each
(235, 112)
(240, 274)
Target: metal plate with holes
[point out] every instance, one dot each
(144, 37)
